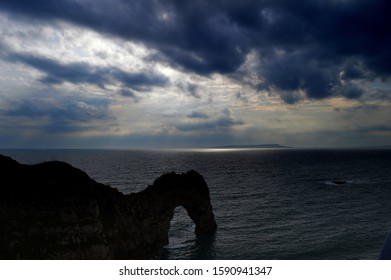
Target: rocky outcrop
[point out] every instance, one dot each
(55, 211)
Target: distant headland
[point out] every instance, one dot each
(259, 146)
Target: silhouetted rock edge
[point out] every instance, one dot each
(52, 210)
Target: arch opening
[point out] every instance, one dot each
(182, 228)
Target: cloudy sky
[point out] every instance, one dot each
(176, 74)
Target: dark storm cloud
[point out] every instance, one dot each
(304, 46)
(77, 73)
(354, 70)
(351, 91)
(296, 71)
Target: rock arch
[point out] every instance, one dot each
(172, 190)
(55, 211)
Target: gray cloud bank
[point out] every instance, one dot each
(305, 49)
(76, 73)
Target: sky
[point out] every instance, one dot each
(191, 74)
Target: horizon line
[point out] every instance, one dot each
(225, 147)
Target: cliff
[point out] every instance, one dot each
(55, 211)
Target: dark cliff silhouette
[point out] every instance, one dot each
(55, 211)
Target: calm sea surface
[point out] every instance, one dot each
(269, 204)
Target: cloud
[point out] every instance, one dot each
(190, 88)
(78, 73)
(61, 115)
(227, 112)
(354, 70)
(198, 115)
(130, 94)
(302, 46)
(57, 73)
(220, 123)
(240, 96)
(351, 91)
(138, 81)
(226, 120)
(195, 58)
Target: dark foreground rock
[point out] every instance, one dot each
(55, 211)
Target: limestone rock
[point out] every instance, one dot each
(55, 211)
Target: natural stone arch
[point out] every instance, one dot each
(172, 190)
(55, 211)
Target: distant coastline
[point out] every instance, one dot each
(260, 146)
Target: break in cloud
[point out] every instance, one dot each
(291, 61)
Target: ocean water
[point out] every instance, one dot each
(268, 203)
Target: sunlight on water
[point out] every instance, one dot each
(217, 150)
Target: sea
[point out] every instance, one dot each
(304, 204)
